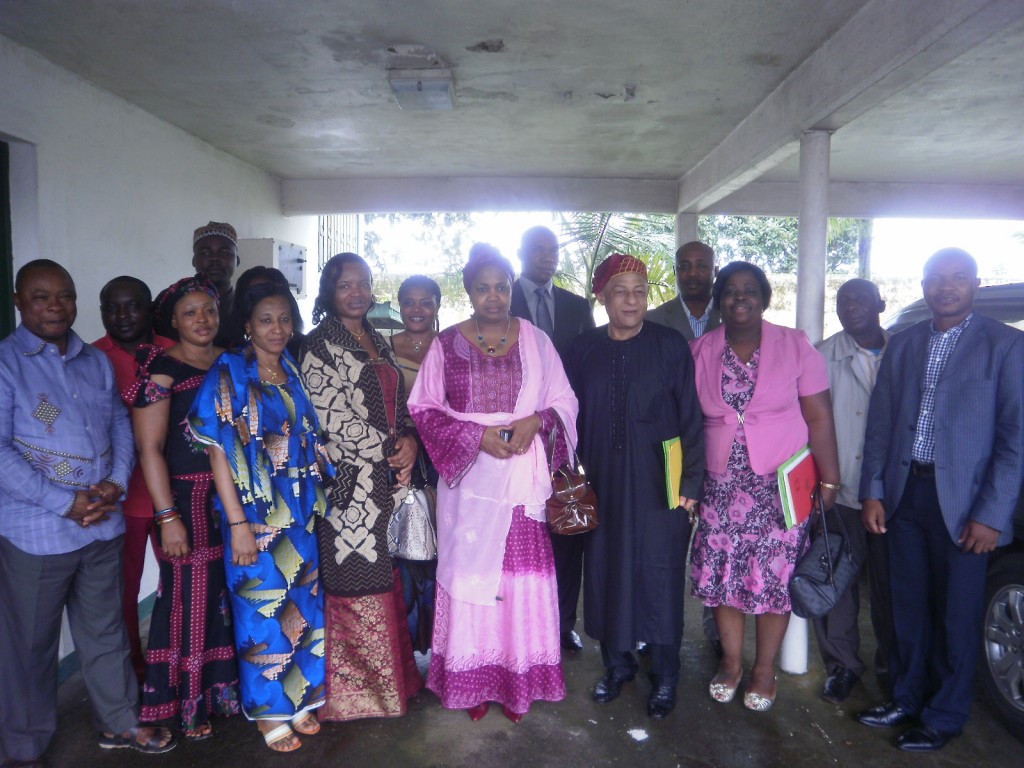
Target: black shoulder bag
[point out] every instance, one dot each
(825, 569)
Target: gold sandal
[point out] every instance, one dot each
(723, 693)
(757, 702)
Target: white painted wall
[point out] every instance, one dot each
(106, 189)
(115, 189)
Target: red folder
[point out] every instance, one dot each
(798, 480)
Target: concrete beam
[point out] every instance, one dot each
(860, 200)
(419, 195)
(886, 46)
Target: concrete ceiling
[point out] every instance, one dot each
(667, 104)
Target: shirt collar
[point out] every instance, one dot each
(855, 347)
(530, 287)
(690, 315)
(106, 343)
(30, 345)
(956, 329)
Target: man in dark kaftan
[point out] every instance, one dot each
(635, 384)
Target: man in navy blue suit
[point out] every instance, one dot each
(562, 316)
(941, 475)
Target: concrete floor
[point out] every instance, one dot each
(800, 730)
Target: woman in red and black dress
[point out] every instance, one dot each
(191, 671)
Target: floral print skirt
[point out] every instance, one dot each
(743, 556)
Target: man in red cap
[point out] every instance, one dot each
(635, 385)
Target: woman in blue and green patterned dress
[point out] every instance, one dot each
(267, 457)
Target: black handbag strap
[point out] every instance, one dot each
(421, 465)
(824, 532)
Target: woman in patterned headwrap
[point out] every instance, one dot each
(190, 659)
(255, 415)
(357, 389)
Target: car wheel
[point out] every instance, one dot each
(1002, 663)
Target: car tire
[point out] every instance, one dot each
(1002, 663)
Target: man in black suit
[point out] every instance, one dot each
(563, 316)
(940, 478)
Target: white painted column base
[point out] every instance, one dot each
(793, 655)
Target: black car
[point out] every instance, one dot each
(1002, 664)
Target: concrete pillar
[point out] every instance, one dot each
(813, 233)
(810, 310)
(686, 228)
(793, 654)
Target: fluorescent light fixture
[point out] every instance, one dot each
(422, 88)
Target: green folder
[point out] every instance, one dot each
(673, 452)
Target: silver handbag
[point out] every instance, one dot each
(412, 532)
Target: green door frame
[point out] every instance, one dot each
(6, 247)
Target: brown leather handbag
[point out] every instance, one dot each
(572, 507)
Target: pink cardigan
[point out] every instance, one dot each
(789, 368)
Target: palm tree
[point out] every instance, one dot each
(589, 238)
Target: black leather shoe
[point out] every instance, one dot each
(838, 686)
(661, 701)
(925, 739)
(885, 716)
(608, 688)
(571, 641)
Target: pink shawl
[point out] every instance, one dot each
(474, 516)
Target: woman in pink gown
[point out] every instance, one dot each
(490, 392)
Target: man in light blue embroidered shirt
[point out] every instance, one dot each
(66, 452)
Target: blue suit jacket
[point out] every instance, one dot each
(979, 424)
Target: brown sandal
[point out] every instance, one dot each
(277, 739)
(306, 723)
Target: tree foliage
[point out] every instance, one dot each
(587, 239)
(442, 234)
(770, 242)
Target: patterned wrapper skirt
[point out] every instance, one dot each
(190, 657)
(508, 652)
(279, 624)
(371, 671)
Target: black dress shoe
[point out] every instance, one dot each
(571, 641)
(924, 739)
(608, 688)
(661, 701)
(838, 686)
(885, 716)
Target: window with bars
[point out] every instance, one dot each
(337, 233)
